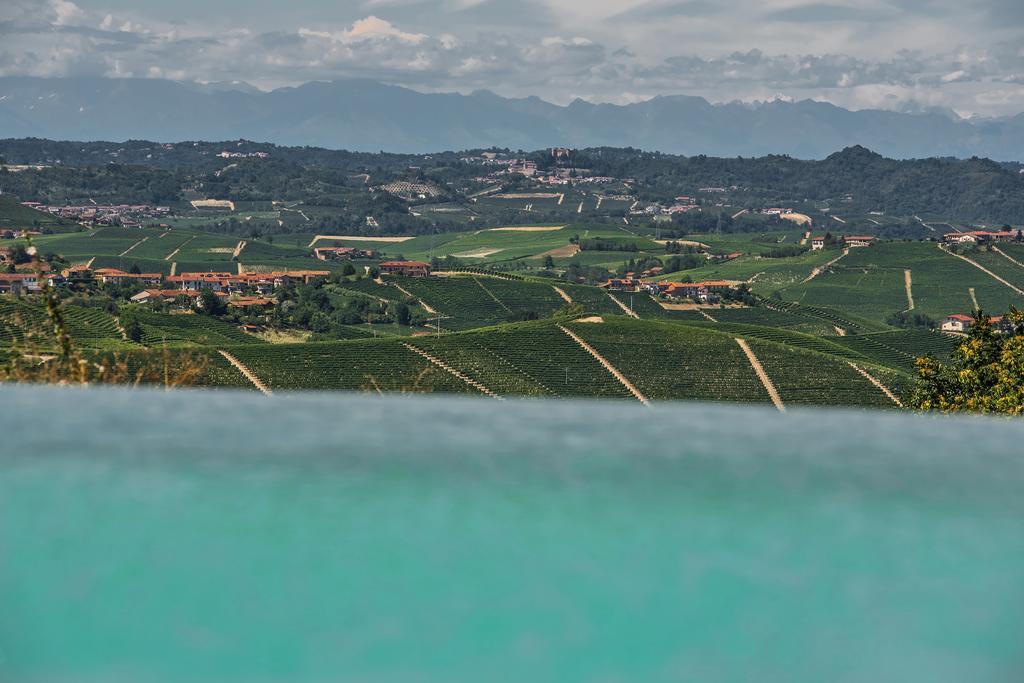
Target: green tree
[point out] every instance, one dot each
(402, 314)
(985, 373)
(211, 303)
(132, 327)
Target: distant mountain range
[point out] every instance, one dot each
(362, 115)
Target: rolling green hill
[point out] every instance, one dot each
(660, 360)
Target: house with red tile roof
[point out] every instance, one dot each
(406, 268)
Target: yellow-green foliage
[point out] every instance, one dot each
(985, 373)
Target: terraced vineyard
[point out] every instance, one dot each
(476, 301)
(790, 338)
(870, 292)
(1004, 268)
(372, 365)
(91, 328)
(830, 316)
(901, 348)
(804, 378)
(532, 359)
(218, 372)
(667, 361)
(767, 317)
(190, 330)
(869, 283)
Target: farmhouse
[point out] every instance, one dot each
(961, 323)
(818, 243)
(406, 268)
(15, 283)
(113, 276)
(858, 240)
(957, 323)
(621, 285)
(264, 283)
(704, 291)
(79, 272)
(168, 295)
(251, 301)
(982, 236)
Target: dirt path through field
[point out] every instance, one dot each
(249, 374)
(359, 238)
(560, 292)
(452, 371)
(908, 281)
(409, 294)
(126, 251)
(629, 311)
(974, 297)
(706, 315)
(238, 249)
(874, 380)
(483, 252)
(528, 228)
(568, 251)
(762, 375)
(821, 269)
(88, 264)
(1010, 258)
(607, 366)
(984, 270)
(175, 252)
(803, 240)
(174, 268)
(491, 294)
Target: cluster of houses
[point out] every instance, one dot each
(173, 286)
(818, 242)
(961, 324)
(983, 236)
(124, 215)
(709, 291)
(243, 155)
(343, 253)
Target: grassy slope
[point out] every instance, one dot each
(666, 361)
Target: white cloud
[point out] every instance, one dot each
(370, 28)
(603, 50)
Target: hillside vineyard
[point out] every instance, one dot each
(599, 273)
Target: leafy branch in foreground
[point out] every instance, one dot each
(985, 373)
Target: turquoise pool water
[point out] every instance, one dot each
(202, 537)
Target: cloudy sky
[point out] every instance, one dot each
(965, 55)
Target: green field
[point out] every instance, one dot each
(870, 282)
(806, 331)
(664, 360)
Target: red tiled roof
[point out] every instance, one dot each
(405, 264)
